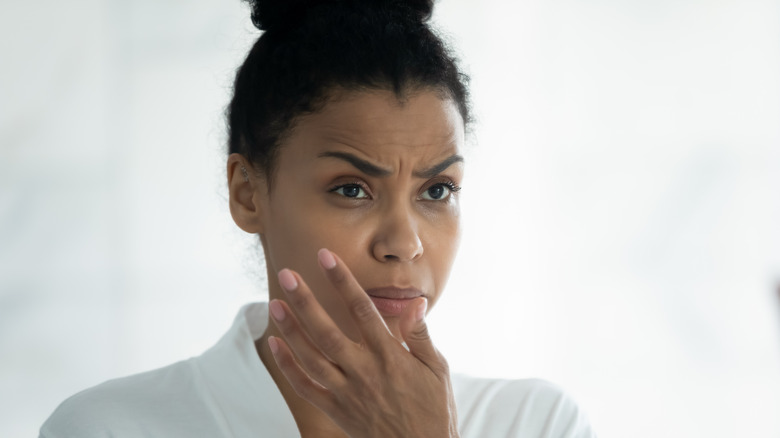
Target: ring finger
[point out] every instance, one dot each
(311, 359)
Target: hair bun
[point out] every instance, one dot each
(268, 15)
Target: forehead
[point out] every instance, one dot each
(382, 126)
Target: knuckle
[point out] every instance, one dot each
(318, 370)
(363, 309)
(339, 388)
(288, 329)
(370, 388)
(394, 365)
(421, 332)
(331, 341)
(303, 390)
(299, 300)
(286, 362)
(338, 276)
(444, 366)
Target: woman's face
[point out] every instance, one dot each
(374, 180)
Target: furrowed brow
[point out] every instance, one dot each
(360, 164)
(438, 168)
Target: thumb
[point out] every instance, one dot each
(414, 330)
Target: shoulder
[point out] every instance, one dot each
(517, 408)
(138, 405)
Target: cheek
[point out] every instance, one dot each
(299, 229)
(445, 231)
(292, 235)
(349, 235)
(440, 249)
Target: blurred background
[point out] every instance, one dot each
(621, 208)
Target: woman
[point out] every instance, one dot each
(346, 133)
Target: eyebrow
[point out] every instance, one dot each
(362, 165)
(439, 168)
(371, 169)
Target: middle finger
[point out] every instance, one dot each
(318, 325)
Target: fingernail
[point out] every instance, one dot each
(287, 279)
(326, 259)
(277, 311)
(421, 310)
(273, 344)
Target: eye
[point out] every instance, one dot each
(354, 191)
(439, 191)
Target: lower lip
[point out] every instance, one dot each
(391, 306)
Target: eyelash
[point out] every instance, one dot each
(454, 188)
(449, 184)
(349, 184)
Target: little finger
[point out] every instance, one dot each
(316, 365)
(318, 325)
(303, 385)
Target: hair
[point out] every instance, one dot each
(311, 48)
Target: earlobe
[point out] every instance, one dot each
(247, 194)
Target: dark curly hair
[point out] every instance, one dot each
(310, 48)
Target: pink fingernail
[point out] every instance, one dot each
(421, 310)
(326, 259)
(287, 279)
(273, 344)
(277, 311)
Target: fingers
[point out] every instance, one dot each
(319, 326)
(317, 366)
(303, 385)
(414, 330)
(362, 309)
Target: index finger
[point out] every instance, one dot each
(371, 324)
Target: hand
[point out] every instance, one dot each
(372, 388)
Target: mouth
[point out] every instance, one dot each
(392, 301)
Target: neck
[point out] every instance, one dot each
(311, 421)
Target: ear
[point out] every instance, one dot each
(248, 194)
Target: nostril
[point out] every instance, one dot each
(391, 257)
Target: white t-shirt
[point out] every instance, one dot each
(227, 392)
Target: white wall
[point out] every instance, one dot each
(622, 202)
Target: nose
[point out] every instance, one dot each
(397, 238)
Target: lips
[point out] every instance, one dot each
(392, 301)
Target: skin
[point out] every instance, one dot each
(399, 228)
